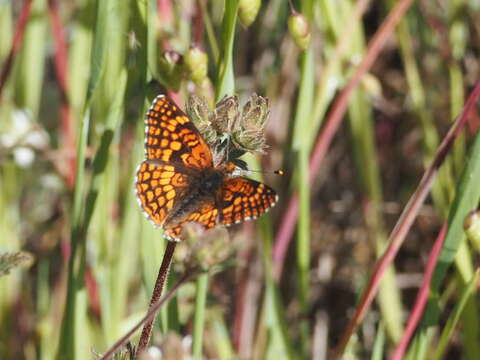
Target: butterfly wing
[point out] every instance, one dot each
(158, 188)
(244, 199)
(206, 215)
(170, 137)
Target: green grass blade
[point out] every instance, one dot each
(225, 84)
(199, 317)
(467, 197)
(75, 310)
(453, 319)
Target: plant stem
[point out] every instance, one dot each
(17, 40)
(199, 319)
(151, 313)
(157, 292)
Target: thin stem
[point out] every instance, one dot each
(157, 292)
(22, 23)
(61, 64)
(333, 122)
(150, 314)
(406, 219)
(199, 319)
(422, 296)
(210, 31)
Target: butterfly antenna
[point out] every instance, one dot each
(277, 172)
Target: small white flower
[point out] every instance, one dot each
(24, 136)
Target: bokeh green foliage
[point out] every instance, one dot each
(120, 53)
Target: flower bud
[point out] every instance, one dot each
(225, 116)
(203, 249)
(472, 228)
(196, 63)
(11, 260)
(170, 70)
(250, 135)
(300, 30)
(198, 112)
(248, 10)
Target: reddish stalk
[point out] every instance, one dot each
(17, 40)
(332, 124)
(157, 292)
(422, 296)
(165, 14)
(406, 219)
(198, 25)
(150, 314)
(61, 61)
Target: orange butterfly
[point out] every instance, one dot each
(177, 183)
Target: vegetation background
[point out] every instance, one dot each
(361, 95)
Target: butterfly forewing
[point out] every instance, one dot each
(170, 136)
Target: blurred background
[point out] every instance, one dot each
(78, 259)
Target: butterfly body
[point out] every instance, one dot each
(178, 183)
(204, 188)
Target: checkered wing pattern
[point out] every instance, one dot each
(177, 159)
(244, 199)
(207, 216)
(170, 136)
(158, 188)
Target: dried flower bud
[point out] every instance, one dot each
(248, 10)
(203, 249)
(229, 131)
(250, 134)
(300, 30)
(10, 260)
(197, 110)
(472, 228)
(225, 116)
(196, 64)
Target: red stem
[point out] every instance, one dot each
(165, 14)
(422, 296)
(198, 24)
(157, 292)
(22, 23)
(332, 124)
(406, 219)
(61, 65)
(150, 314)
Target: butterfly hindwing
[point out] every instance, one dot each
(243, 199)
(206, 215)
(158, 188)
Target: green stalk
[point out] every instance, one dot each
(30, 67)
(199, 317)
(300, 146)
(301, 123)
(212, 40)
(225, 85)
(453, 319)
(226, 79)
(467, 197)
(73, 326)
(273, 311)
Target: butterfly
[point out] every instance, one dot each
(177, 183)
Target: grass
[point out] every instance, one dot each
(357, 121)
